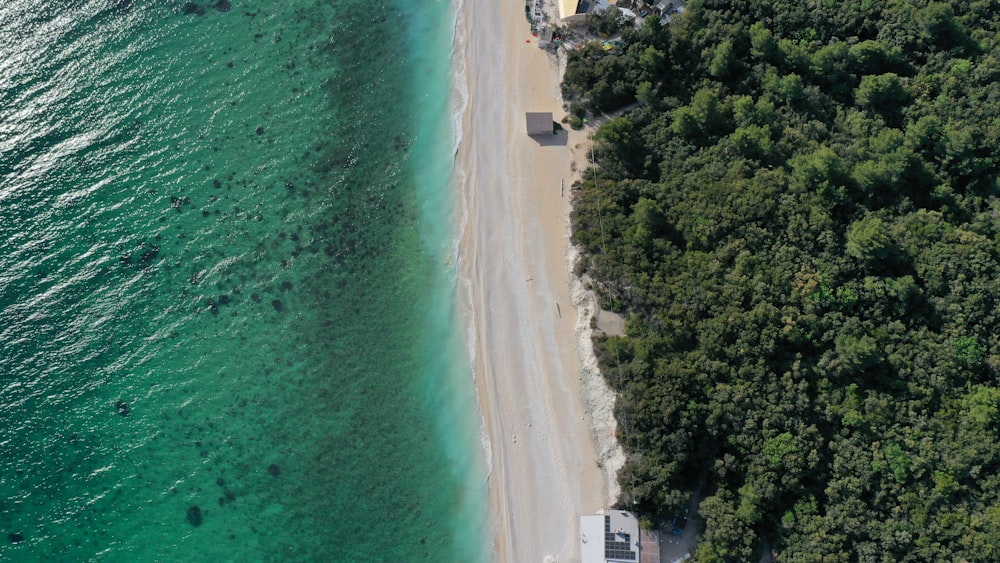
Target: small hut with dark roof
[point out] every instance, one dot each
(540, 123)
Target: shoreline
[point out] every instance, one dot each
(547, 416)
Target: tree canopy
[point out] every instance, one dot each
(801, 222)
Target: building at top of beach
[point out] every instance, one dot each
(573, 11)
(609, 537)
(539, 123)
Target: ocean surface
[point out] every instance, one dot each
(228, 325)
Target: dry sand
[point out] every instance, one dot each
(538, 403)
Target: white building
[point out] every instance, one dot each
(609, 537)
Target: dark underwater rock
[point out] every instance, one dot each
(194, 516)
(191, 8)
(274, 470)
(123, 408)
(150, 253)
(223, 6)
(15, 537)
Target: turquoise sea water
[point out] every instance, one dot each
(227, 312)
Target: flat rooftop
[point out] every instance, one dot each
(539, 122)
(611, 537)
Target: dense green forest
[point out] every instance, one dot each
(800, 220)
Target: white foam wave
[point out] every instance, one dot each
(459, 106)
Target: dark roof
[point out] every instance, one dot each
(539, 122)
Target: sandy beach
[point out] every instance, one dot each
(514, 192)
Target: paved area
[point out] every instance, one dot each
(649, 550)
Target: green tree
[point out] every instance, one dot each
(723, 59)
(857, 353)
(969, 352)
(652, 61)
(869, 240)
(872, 58)
(703, 118)
(762, 43)
(883, 93)
(899, 462)
(753, 142)
(646, 94)
(607, 22)
(777, 447)
(725, 535)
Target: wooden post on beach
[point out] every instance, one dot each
(562, 186)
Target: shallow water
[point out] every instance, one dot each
(226, 285)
